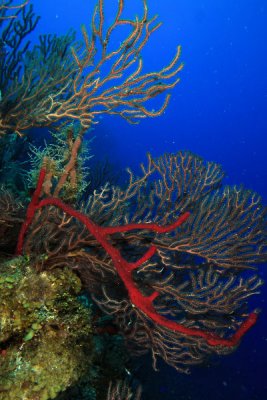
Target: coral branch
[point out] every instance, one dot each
(149, 226)
(94, 79)
(32, 207)
(7, 7)
(122, 391)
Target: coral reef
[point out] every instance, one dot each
(91, 276)
(45, 332)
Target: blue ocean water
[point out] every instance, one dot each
(217, 111)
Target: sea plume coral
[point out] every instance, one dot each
(88, 79)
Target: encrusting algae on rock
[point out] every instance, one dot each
(45, 332)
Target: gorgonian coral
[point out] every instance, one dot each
(165, 256)
(60, 80)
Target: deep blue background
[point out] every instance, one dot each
(217, 111)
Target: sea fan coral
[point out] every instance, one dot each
(172, 276)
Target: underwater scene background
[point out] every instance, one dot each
(218, 112)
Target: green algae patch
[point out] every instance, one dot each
(45, 332)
